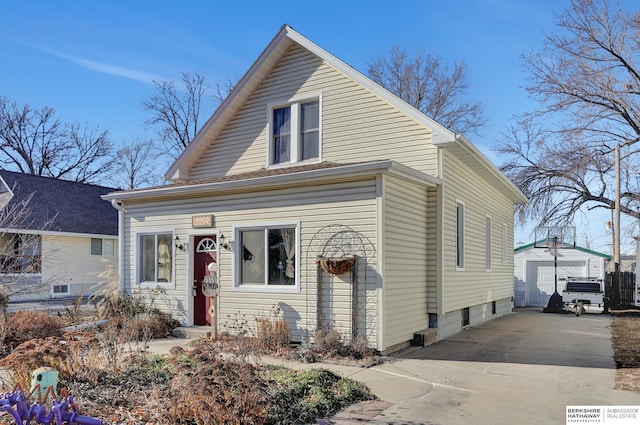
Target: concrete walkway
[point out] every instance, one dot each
(523, 368)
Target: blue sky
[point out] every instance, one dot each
(94, 61)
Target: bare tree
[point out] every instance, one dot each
(34, 141)
(136, 166)
(176, 111)
(21, 260)
(223, 90)
(428, 85)
(587, 81)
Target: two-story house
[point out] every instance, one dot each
(313, 189)
(57, 237)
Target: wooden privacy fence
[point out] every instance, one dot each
(626, 288)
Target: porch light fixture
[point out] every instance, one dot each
(223, 244)
(181, 247)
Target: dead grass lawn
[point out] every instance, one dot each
(625, 335)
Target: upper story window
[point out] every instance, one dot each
(105, 247)
(295, 132)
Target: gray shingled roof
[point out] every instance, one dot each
(74, 207)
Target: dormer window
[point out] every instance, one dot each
(295, 132)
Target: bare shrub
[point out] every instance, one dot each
(328, 341)
(74, 315)
(272, 332)
(75, 355)
(239, 342)
(237, 324)
(216, 390)
(153, 323)
(25, 325)
(110, 345)
(359, 348)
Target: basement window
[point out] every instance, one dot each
(465, 317)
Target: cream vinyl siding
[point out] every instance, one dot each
(67, 260)
(405, 260)
(356, 125)
(474, 285)
(350, 204)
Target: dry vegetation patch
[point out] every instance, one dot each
(106, 369)
(625, 336)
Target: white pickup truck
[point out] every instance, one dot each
(583, 291)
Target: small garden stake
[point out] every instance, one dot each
(64, 410)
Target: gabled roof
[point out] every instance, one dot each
(441, 136)
(59, 205)
(579, 248)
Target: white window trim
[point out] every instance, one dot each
(460, 267)
(488, 242)
(136, 260)
(246, 287)
(53, 289)
(295, 129)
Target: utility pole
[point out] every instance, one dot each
(616, 234)
(616, 214)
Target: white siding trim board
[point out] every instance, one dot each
(380, 266)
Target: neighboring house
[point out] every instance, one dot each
(57, 237)
(627, 264)
(316, 191)
(535, 273)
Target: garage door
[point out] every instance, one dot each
(540, 279)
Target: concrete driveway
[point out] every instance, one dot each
(523, 368)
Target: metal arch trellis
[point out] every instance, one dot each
(332, 241)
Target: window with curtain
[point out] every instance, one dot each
(281, 135)
(155, 258)
(295, 132)
(267, 256)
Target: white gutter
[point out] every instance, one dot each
(118, 205)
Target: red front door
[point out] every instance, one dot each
(205, 252)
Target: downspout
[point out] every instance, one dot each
(120, 207)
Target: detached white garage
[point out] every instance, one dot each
(534, 271)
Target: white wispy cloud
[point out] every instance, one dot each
(105, 68)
